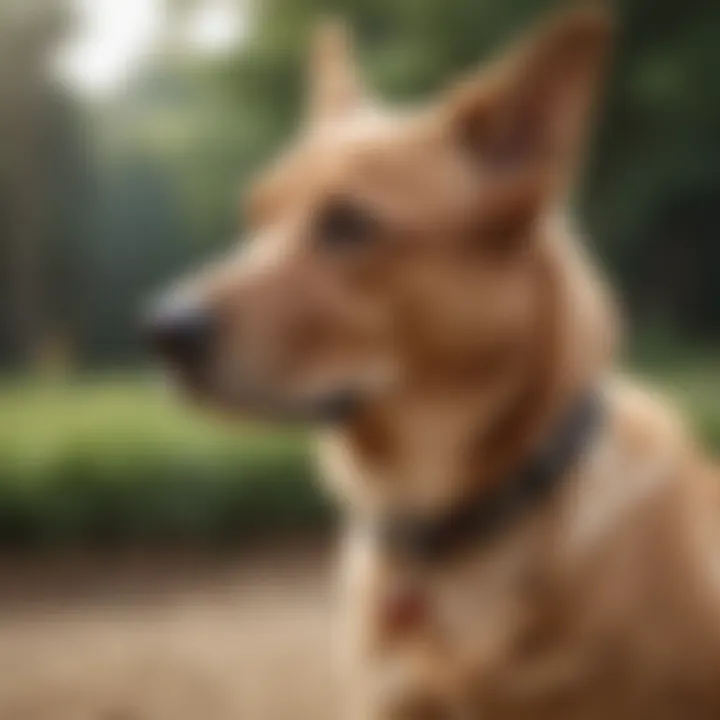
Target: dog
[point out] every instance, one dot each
(529, 535)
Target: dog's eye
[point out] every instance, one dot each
(345, 225)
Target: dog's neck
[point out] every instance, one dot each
(428, 448)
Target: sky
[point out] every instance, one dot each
(113, 36)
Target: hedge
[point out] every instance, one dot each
(117, 462)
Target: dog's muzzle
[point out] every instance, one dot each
(182, 333)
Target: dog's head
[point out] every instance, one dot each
(390, 246)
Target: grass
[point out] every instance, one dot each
(116, 460)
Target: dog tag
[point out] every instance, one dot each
(405, 608)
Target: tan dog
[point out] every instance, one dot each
(413, 278)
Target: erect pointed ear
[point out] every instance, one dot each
(529, 115)
(335, 88)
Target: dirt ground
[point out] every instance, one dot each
(168, 637)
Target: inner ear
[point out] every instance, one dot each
(530, 111)
(505, 225)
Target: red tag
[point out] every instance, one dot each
(404, 610)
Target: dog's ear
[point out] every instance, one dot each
(335, 88)
(528, 116)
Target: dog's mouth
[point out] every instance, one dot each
(332, 406)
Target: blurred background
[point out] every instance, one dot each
(158, 564)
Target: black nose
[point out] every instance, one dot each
(179, 331)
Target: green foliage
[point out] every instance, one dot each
(119, 462)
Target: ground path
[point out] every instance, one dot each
(167, 637)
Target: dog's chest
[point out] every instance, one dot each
(440, 639)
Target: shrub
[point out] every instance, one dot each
(119, 461)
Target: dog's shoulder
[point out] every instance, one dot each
(642, 419)
(641, 455)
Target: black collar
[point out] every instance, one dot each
(477, 520)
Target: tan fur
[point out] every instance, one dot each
(471, 321)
